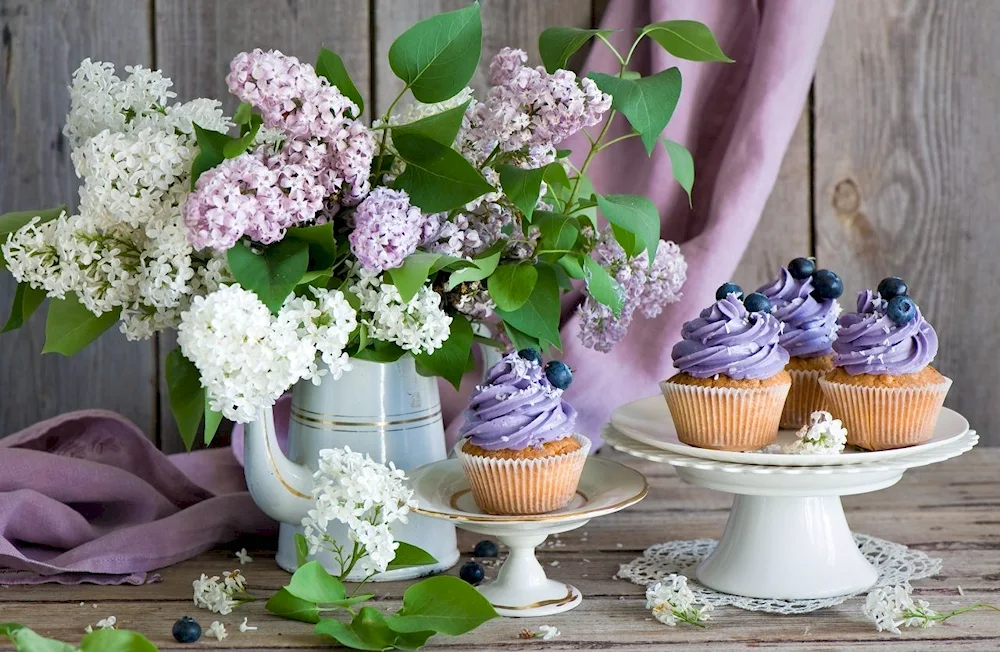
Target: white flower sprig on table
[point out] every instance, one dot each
(891, 607)
(104, 623)
(243, 556)
(220, 595)
(671, 601)
(544, 632)
(823, 436)
(217, 629)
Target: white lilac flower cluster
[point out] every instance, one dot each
(247, 357)
(824, 435)
(366, 496)
(110, 622)
(671, 601)
(646, 287)
(220, 594)
(419, 325)
(324, 161)
(126, 251)
(890, 607)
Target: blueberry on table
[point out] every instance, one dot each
(827, 285)
(801, 268)
(901, 310)
(485, 548)
(757, 302)
(726, 289)
(187, 630)
(892, 286)
(472, 573)
(558, 374)
(531, 355)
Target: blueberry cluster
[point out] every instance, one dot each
(558, 373)
(826, 284)
(899, 306)
(755, 302)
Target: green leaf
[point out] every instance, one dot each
(212, 421)
(26, 640)
(635, 220)
(436, 177)
(318, 278)
(321, 240)
(412, 640)
(557, 44)
(70, 327)
(482, 267)
(441, 127)
(682, 165)
(521, 340)
(555, 175)
(115, 640)
(286, 605)
(522, 187)
(312, 583)
(381, 352)
(558, 234)
(602, 286)
(539, 316)
(301, 549)
(367, 631)
(10, 222)
(438, 56)
(686, 39)
(243, 114)
(236, 146)
(489, 341)
(26, 301)
(187, 396)
(412, 274)
(408, 555)
(511, 285)
(330, 65)
(449, 361)
(443, 604)
(648, 102)
(211, 152)
(451, 263)
(272, 274)
(571, 263)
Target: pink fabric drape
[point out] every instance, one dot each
(737, 120)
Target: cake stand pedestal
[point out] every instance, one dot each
(787, 536)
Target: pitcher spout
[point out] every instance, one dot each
(280, 487)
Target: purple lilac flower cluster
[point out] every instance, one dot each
(387, 229)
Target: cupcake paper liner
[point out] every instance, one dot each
(725, 418)
(804, 398)
(881, 418)
(524, 486)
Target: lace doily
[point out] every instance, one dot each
(895, 563)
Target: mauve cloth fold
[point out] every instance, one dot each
(85, 497)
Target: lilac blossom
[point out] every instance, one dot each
(387, 229)
(226, 200)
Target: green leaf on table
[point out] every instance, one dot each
(187, 396)
(412, 640)
(522, 187)
(301, 549)
(26, 640)
(558, 234)
(412, 274)
(69, 327)
(436, 177)
(26, 302)
(211, 152)
(312, 583)
(367, 631)
(438, 56)
(635, 221)
(271, 274)
(286, 605)
(212, 421)
(408, 555)
(557, 44)
(321, 240)
(443, 604)
(449, 361)
(481, 268)
(441, 127)
(571, 264)
(331, 66)
(686, 39)
(539, 316)
(647, 102)
(115, 640)
(511, 285)
(602, 286)
(682, 165)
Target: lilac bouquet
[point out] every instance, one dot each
(293, 237)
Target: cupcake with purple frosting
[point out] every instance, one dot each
(883, 386)
(805, 301)
(731, 382)
(519, 450)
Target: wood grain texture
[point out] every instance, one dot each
(948, 510)
(906, 141)
(513, 23)
(196, 40)
(42, 44)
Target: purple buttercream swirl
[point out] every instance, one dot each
(870, 343)
(729, 341)
(517, 407)
(810, 324)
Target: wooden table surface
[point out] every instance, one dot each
(949, 510)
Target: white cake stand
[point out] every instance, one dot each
(787, 537)
(521, 589)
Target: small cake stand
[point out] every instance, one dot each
(787, 537)
(521, 589)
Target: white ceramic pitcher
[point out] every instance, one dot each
(385, 410)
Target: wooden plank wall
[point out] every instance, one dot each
(889, 170)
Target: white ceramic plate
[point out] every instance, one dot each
(442, 491)
(648, 421)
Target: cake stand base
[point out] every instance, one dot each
(787, 548)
